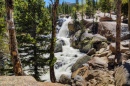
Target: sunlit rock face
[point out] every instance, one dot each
(108, 30)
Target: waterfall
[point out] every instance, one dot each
(64, 31)
(67, 57)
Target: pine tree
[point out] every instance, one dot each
(33, 27)
(5, 61)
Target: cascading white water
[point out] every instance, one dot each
(64, 31)
(67, 57)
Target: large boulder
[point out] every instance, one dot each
(108, 30)
(86, 48)
(85, 41)
(79, 63)
(75, 39)
(79, 76)
(93, 41)
(100, 78)
(64, 79)
(59, 44)
(83, 72)
(98, 62)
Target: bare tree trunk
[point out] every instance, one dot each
(12, 39)
(110, 13)
(129, 14)
(118, 32)
(53, 41)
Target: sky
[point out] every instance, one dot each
(48, 1)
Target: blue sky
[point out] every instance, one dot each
(48, 1)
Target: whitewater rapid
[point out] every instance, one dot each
(67, 57)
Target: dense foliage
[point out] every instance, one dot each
(33, 27)
(5, 62)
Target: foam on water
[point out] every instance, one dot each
(67, 57)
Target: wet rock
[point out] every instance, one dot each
(64, 79)
(80, 62)
(75, 55)
(59, 44)
(58, 64)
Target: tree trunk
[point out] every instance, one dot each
(129, 14)
(110, 13)
(53, 41)
(12, 39)
(118, 32)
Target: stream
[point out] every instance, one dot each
(67, 57)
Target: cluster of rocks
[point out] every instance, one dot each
(96, 69)
(98, 66)
(86, 41)
(108, 30)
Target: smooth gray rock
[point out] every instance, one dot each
(79, 63)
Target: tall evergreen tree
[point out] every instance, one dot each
(34, 28)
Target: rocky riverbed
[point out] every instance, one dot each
(98, 67)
